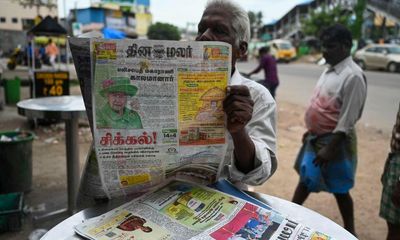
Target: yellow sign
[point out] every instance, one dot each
(51, 84)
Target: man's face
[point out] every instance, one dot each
(216, 25)
(333, 52)
(117, 101)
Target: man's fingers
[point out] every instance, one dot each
(230, 106)
(239, 116)
(237, 90)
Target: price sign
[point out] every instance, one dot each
(51, 84)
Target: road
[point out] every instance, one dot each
(297, 81)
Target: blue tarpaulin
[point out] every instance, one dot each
(110, 33)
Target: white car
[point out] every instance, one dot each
(383, 56)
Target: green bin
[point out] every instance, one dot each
(11, 211)
(15, 161)
(12, 90)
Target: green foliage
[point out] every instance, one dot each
(255, 21)
(252, 17)
(259, 18)
(163, 31)
(356, 27)
(325, 17)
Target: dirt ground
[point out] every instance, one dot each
(373, 146)
(49, 170)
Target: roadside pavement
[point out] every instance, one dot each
(49, 192)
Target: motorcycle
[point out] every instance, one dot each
(19, 57)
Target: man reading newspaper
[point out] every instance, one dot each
(249, 108)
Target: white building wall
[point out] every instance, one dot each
(11, 9)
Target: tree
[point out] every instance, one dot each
(255, 22)
(163, 31)
(324, 17)
(359, 9)
(252, 19)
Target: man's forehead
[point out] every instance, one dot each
(216, 14)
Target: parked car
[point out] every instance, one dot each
(282, 50)
(393, 40)
(381, 56)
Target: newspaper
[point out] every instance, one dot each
(182, 210)
(157, 111)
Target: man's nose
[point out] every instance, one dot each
(205, 36)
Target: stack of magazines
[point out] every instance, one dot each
(182, 210)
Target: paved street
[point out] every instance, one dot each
(298, 80)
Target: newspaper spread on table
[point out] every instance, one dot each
(183, 210)
(157, 110)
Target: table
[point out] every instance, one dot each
(68, 109)
(64, 230)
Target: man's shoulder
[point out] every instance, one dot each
(352, 69)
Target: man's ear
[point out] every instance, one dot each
(243, 48)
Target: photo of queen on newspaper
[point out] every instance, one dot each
(114, 112)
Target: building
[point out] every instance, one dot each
(17, 19)
(129, 16)
(379, 12)
(289, 25)
(382, 20)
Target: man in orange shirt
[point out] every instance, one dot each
(52, 52)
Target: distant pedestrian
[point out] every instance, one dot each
(390, 201)
(52, 52)
(268, 63)
(328, 158)
(42, 54)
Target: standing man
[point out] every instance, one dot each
(390, 201)
(52, 52)
(268, 63)
(249, 108)
(328, 158)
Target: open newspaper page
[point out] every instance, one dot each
(157, 108)
(182, 210)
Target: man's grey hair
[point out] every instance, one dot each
(240, 18)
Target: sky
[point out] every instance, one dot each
(182, 12)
